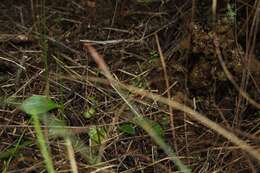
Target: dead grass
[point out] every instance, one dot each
(152, 54)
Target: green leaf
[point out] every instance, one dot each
(97, 135)
(154, 55)
(90, 113)
(38, 104)
(127, 128)
(156, 126)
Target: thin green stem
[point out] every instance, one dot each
(44, 43)
(42, 145)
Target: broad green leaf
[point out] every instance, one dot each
(97, 135)
(127, 128)
(90, 113)
(38, 104)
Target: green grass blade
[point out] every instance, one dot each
(42, 144)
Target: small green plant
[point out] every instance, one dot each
(58, 128)
(127, 128)
(90, 113)
(97, 135)
(231, 12)
(37, 106)
(154, 55)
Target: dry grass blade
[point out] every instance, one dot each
(71, 155)
(5, 59)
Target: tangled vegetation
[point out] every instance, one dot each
(129, 86)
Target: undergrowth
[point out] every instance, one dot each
(129, 86)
